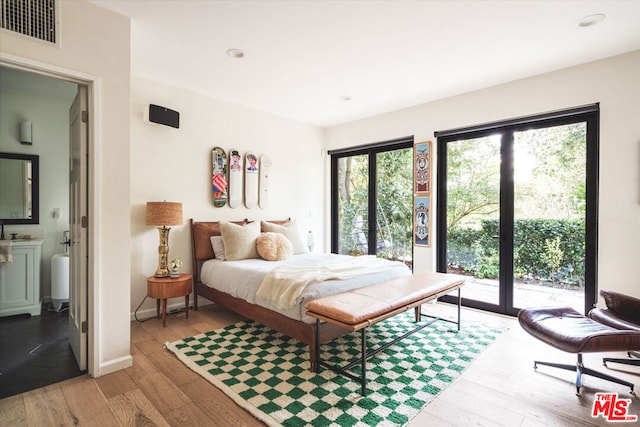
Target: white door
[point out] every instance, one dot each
(78, 276)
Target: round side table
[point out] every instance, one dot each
(162, 288)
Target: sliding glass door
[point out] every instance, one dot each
(371, 211)
(517, 210)
(473, 204)
(549, 239)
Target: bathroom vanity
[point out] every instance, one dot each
(20, 280)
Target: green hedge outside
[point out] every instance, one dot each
(544, 250)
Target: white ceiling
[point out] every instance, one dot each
(302, 57)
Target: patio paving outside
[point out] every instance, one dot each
(525, 295)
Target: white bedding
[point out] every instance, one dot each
(242, 279)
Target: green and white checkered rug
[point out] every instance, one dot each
(269, 374)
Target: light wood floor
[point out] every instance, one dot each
(500, 388)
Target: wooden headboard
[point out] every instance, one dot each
(201, 232)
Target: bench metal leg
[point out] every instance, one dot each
(364, 355)
(317, 349)
(363, 358)
(459, 307)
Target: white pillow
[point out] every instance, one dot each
(291, 232)
(217, 245)
(240, 240)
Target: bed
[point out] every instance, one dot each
(235, 284)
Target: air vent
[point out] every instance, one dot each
(32, 18)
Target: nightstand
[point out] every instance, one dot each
(166, 287)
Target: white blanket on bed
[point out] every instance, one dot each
(283, 285)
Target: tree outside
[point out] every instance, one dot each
(394, 204)
(549, 205)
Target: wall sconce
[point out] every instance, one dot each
(163, 214)
(26, 134)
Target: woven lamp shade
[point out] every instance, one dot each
(164, 213)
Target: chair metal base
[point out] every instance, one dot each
(632, 362)
(580, 370)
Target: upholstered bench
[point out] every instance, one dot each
(566, 329)
(358, 309)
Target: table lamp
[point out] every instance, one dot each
(163, 214)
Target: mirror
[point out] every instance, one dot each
(19, 186)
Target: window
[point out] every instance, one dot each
(371, 205)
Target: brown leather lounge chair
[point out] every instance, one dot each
(568, 330)
(622, 312)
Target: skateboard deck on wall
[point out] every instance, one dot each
(251, 175)
(219, 176)
(265, 167)
(235, 179)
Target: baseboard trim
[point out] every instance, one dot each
(114, 365)
(151, 312)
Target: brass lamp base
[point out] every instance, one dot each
(163, 252)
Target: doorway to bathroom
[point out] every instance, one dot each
(40, 350)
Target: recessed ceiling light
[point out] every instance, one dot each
(235, 53)
(591, 20)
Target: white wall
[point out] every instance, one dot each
(49, 115)
(95, 46)
(613, 82)
(175, 165)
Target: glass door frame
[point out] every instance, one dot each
(588, 114)
(369, 150)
